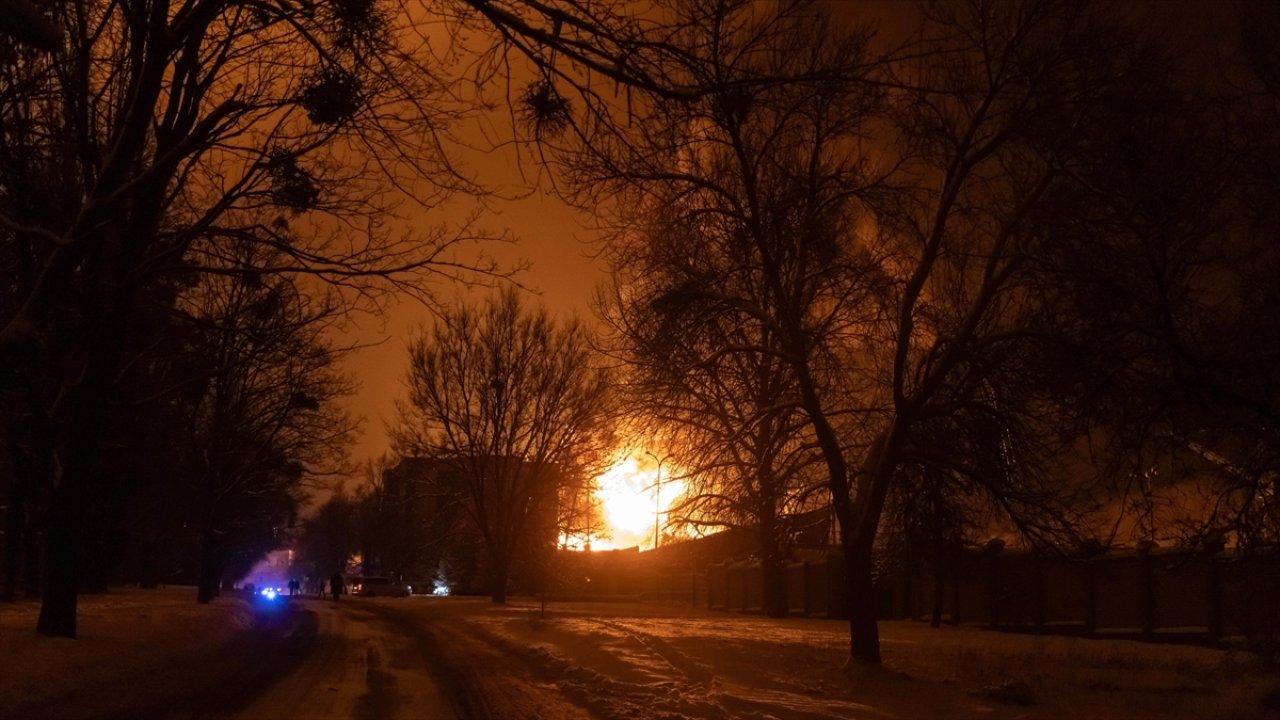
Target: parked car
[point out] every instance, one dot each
(377, 587)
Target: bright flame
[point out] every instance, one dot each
(626, 494)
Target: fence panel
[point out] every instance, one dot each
(1157, 594)
(735, 598)
(753, 592)
(796, 604)
(1249, 588)
(1118, 594)
(1180, 589)
(1019, 591)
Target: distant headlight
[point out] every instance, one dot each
(269, 594)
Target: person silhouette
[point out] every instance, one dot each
(336, 585)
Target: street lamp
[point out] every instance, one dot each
(657, 496)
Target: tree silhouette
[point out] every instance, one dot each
(889, 275)
(169, 135)
(511, 401)
(721, 397)
(267, 417)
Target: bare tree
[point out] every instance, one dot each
(268, 418)
(991, 149)
(723, 402)
(1185, 397)
(513, 400)
(327, 540)
(759, 185)
(889, 276)
(173, 132)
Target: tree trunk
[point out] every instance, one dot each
(938, 589)
(498, 581)
(864, 631)
(106, 319)
(30, 465)
(210, 569)
(78, 460)
(148, 568)
(62, 556)
(98, 550)
(773, 568)
(773, 571)
(858, 542)
(15, 537)
(32, 579)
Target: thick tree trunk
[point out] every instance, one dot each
(148, 568)
(858, 514)
(498, 572)
(15, 538)
(32, 578)
(62, 557)
(210, 580)
(98, 551)
(77, 459)
(858, 541)
(106, 319)
(30, 463)
(864, 631)
(939, 588)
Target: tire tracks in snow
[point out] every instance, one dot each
(695, 692)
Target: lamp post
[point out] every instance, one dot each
(657, 496)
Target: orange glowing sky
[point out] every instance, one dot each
(556, 240)
(552, 238)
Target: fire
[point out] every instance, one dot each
(626, 495)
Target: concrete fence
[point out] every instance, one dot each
(814, 588)
(1169, 595)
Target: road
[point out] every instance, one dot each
(158, 655)
(360, 664)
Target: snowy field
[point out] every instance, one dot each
(644, 661)
(141, 654)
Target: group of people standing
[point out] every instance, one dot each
(335, 587)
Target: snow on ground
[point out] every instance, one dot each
(139, 653)
(155, 653)
(647, 661)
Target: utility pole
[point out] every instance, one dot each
(657, 496)
(591, 483)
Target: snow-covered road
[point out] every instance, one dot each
(360, 665)
(156, 654)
